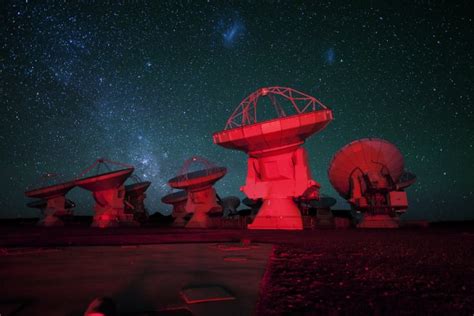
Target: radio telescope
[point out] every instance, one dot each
(277, 165)
(53, 202)
(323, 211)
(201, 196)
(229, 205)
(369, 174)
(109, 192)
(178, 200)
(135, 199)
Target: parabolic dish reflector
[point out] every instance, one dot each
(406, 179)
(105, 181)
(44, 203)
(274, 133)
(175, 197)
(366, 155)
(137, 188)
(252, 203)
(198, 178)
(37, 204)
(243, 131)
(323, 202)
(51, 191)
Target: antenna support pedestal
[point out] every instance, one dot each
(277, 179)
(109, 195)
(379, 221)
(278, 213)
(200, 202)
(55, 207)
(109, 209)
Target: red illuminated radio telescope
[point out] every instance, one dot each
(109, 193)
(53, 203)
(369, 174)
(201, 196)
(277, 166)
(178, 201)
(135, 199)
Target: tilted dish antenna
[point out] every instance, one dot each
(278, 169)
(108, 191)
(201, 196)
(370, 174)
(52, 200)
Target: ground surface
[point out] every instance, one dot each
(63, 281)
(405, 271)
(372, 273)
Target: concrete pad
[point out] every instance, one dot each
(143, 280)
(234, 247)
(235, 258)
(203, 294)
(26, 251)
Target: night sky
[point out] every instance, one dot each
(147, 83)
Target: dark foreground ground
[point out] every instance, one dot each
(372, 273)
(365, 272)
(142, 280)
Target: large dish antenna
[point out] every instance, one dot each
(53, 202)
(135, 199)
(369, 173)
(108, 191)
(178, 201)
(278, 169)
(201, 196)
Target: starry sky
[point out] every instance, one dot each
(148, 82)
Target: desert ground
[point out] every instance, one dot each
(165, 271)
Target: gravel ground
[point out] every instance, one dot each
(425, 271)
(372, 273)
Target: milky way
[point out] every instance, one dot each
(147, 83)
